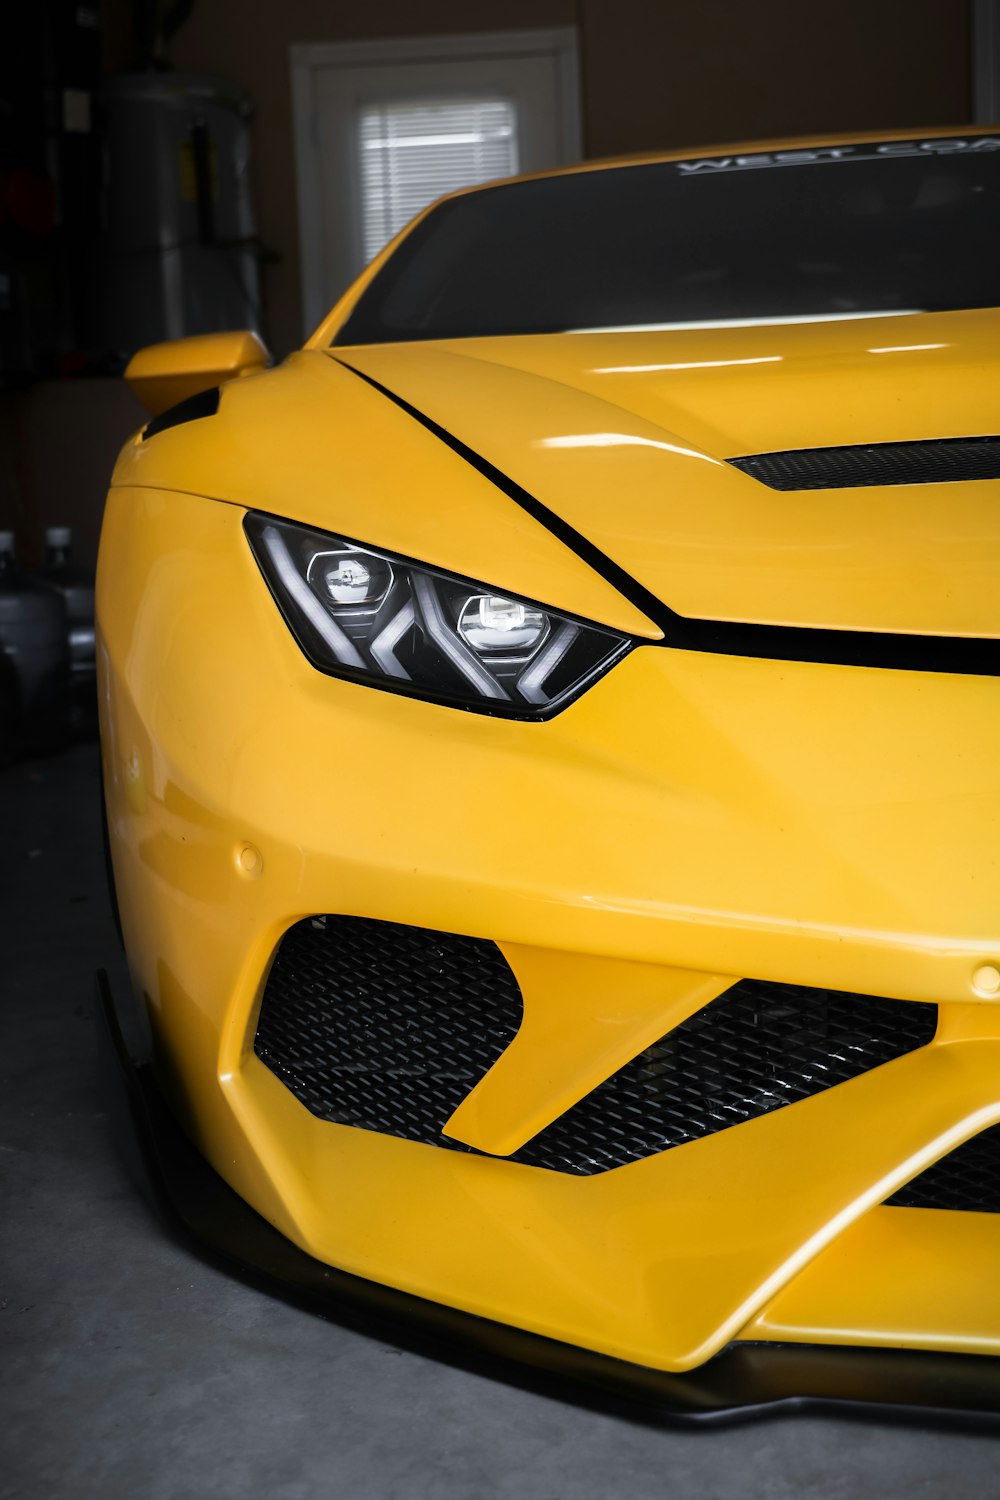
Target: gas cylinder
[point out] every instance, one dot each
(77, 588)
(34, 642)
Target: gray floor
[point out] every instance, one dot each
(129, 1368)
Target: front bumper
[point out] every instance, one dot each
(744, 1381)
(692, 820)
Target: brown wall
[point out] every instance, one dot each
(656, 74)
(58, 443)
(256, 56)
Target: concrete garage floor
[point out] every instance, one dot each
(130, 1368)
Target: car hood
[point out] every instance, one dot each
(563, 467)
(625, 436)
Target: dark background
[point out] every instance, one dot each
(654, 76)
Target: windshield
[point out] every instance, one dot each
(840, 231)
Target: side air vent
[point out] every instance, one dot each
(967, 1179)
(942, 461)
(191, 409)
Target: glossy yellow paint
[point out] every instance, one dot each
(163, 374)
(692, 819)
(661, 1262)
(706, 538)
(625, 436)
(774, 836)
(299, 442)
(584, 1018)
(906, 1278)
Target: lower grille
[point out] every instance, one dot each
(755, 1049)
(968, 1179)
(384, 1026)
(388, 1028)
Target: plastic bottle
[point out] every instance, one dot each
(33, 642)
(77, 588)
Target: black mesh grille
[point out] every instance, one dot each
(967, 1178)
(754, 1049)
(385, 1026)
(388, 1028)
(937, 462)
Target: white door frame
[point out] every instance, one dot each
(986, 62)
(308, 58)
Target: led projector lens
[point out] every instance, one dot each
(492, 623)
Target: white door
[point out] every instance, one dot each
(384, 128)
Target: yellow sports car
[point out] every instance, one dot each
(551, 739)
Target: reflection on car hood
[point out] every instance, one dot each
(625, 436)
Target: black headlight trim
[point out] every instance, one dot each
(255, 522)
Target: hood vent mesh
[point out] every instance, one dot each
(943, 461)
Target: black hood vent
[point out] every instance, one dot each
(941, 461)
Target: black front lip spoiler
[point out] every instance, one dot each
(744, 1381)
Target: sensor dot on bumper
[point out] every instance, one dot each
(986, 980)
(250, 861)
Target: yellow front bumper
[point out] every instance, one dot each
(692, 820)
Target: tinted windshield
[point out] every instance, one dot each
(868, 228)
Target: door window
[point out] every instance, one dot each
(385, 127)
(412, 152)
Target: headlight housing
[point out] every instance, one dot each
(371, 616)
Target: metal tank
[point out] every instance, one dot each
(76, 585)
(180, 237)
(34, 648)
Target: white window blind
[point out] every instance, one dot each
(412, 152)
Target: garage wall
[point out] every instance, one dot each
(670, 74)
(656, 74)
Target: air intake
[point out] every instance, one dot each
(385, 1026)
(755, 1049)
(967, 1179)
(388, 1027)
(941, 461)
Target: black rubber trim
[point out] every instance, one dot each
(109, 869)
(965, 655)
(489, 707)
(191, 409)
(861, 465)
(743, 1382)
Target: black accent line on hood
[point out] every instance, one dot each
(895, 651)
(574, 540)
(191, 409)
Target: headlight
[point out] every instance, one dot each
(395, 624)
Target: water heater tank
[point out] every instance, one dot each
(180, 238)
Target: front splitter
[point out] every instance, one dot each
(744, 1381)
